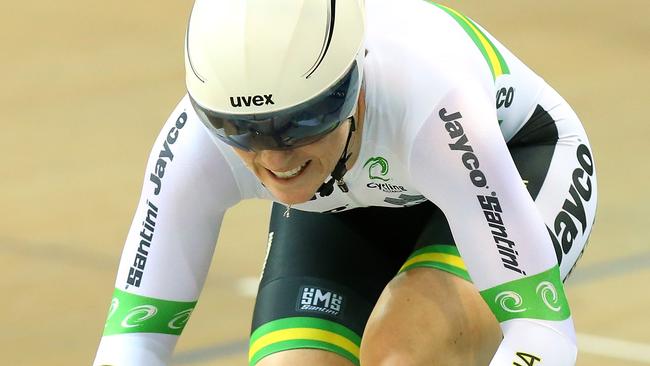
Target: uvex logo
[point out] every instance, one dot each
(249, 100)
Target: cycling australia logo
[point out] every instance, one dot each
(378, 169)
(314, 299)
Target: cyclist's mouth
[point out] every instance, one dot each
(292, 173)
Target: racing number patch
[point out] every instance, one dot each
(527, 358)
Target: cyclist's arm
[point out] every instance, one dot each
(460, 161)
(187, 188)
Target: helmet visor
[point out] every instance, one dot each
(288, 128)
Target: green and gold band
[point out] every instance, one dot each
(493, 57)
(442, 257)
(303, 332)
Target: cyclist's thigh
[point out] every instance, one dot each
(431, 313)
(304, 356)
(554, 158)
(428, 316)
(322, 277)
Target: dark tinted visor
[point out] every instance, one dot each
(289, 128)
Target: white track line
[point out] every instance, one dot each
(614, 348)
(247, 286)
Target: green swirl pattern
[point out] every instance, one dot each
(130, 313)
(534, 297)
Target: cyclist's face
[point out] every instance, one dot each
(293, 176)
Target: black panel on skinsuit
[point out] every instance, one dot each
(532, 149)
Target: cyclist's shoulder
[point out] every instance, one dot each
(423, 50)
(404, 11)
(420, 23)
(422, 39)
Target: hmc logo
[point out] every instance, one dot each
(377, 168)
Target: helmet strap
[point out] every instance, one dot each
(340, 169)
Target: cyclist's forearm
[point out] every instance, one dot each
(531, 342)
(135, 349)
(167, 254)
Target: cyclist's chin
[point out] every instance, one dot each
(292, 196)
(295, 190)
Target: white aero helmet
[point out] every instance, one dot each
(274, 74)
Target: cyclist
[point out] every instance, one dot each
(428, 187)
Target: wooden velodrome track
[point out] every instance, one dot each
(87, 85)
